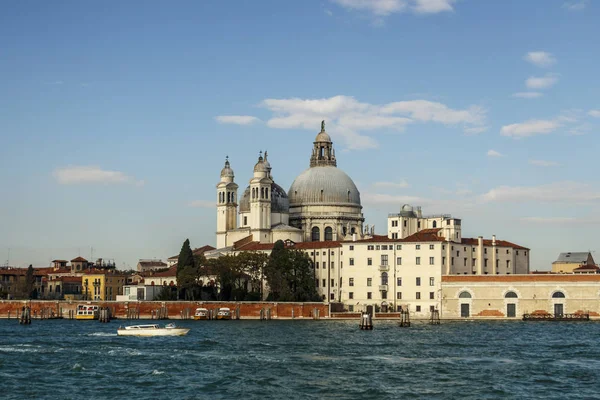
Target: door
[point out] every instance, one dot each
(558, 310)
(464, 310)
(511, 310)
(370, 310)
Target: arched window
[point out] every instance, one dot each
(464, 295)
(511, 295)
(384, 278)
(152, 283)
(57, 288)
(328, 233)
(435, 224)
(348, 196)
(558, 295)
(344, 231)
(267, 193)
(315, 234)
(352, 231)
(262, 193)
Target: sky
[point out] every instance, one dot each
(116, 117)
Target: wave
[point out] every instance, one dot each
(101, 334)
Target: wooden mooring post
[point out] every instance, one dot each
(104, 314)
(435, 317)
(366, 322)
(316, 314)
(25, 317)
(404, 318)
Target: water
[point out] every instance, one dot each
(301, 360)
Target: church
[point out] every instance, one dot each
(322, 204)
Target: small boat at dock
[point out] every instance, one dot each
(224, 313)
(152, 330)
(87, 311)
(201, 313)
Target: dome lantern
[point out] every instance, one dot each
(323, 153)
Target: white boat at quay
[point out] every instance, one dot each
(152, 330)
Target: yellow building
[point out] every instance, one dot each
(102, 285)
(568, 262)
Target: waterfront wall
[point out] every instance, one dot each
(175, 309)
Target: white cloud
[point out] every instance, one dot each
(579, 130)
(543, 163)
(236, 119)
(575, 5)
(541, 82)
(476, 130)
(74, 175)
(201, 204)
(527, 95)
(530, 128)
(398, 185)
(383, 8)
(594, 113)
(540, 58)
(348, 118)
(494, 153)
(558, 192)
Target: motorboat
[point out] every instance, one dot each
(87, 311)
(224, 313)
(152, 330)
(201, 313)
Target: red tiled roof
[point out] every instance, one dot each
(587, 268)
(170, 272)
(488, 242)
(79, 259)
(59, 261)
(152, 263)
(243, 241)
(256, 246)
(425, 235)
(201, 250)
(66, 279)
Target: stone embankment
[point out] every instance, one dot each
(173, 309)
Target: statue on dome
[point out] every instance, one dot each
(323, 126)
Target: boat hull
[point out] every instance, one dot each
(200, 317)
(153, 332)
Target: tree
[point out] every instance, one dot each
(29, 284)
(289, 275)
(187, 271)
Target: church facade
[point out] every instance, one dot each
(322, 204)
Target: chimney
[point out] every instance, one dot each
(493, 240)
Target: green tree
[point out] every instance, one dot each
(187, 271)
(29, 284)
(289, 275)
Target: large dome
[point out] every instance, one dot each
(323, 185)
(279, 200)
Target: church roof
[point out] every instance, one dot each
(573, 258)
(323, 184)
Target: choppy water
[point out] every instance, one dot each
(301, 360)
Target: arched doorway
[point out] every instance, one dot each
(465, 304)
(511, 305)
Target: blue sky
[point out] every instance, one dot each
(115, 118)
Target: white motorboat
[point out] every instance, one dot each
(152, 330)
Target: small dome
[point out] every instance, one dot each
(323, 137)
(260, 165)
(227, 171)
(407, 211)
(279, 200)
(322, 185)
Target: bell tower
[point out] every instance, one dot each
(260, 200)
(226, 204)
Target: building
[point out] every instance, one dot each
(102, 285)
(151, 265)
(353, 265)
(322, 204)
(570, 262)
(477, 296)
(139, 292)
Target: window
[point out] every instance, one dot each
(384, 278)
(431, 295)
(324, 282)
(384, 294)
(245, 221)
(507, 252)
(351, 247)
(369, 281)
(399, 281)
(332, 264)
(435, 224)
(384, 247)
(399, 260)
(507, 263)
(370, 247)
(511, 295)
(398, 247)
(418, 247)
(418, 281)
(332, 296)
(369, 261)
(418, 296)
(496, 251)
(351, 307)
(328, 234)
(332, 283)
(485, 251)
(452, 260)
(443, 260)
(315, 234)
(473, 263)
(465, 249)
(431, 246)
(405, 223)
(465, 262)
(418, 261)
(558, 295)
(352, 261)
(317, 264)
(418, 224)
(464, 295)
(431, 260)
(369, 295)
(394, 236)
(431, 308)
(457, 253)
(485, 262)
(431, 281)
(351, 282)
(377, 247)
(350, 295)
(384, 259)
(447, 222)
(399, 295)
